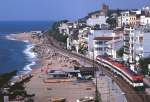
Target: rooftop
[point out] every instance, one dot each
(105, 38)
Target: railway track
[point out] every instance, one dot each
(131, 94)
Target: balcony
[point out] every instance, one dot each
(126, 50)
(126, 38)
(126, 46)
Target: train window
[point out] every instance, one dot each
(138, 81)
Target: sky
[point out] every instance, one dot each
(26, 10)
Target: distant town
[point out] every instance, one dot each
(108, 32)
(103, 57)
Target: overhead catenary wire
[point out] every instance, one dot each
(122, 84)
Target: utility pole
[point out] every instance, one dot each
(96, 89)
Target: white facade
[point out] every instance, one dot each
(133, 47)
(92, 35)
(113, 46)
(76, 44)
(69, 43)
(107, 45)
(138, 12)
(125, 17)
(100, 47)
(96, 33)
(119, 21)
(64, 28)
(144, 20)
(146, 45)
(97, 20)
(83, 34)
(128, 18)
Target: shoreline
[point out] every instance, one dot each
(42, 55)
(28, 51)
(51, 58)
(32, 57)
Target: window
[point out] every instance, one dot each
(99, 42)
(105, 42)
(105, 48)
(99, 49)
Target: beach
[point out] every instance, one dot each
(49, 58)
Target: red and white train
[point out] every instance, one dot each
(132, 78)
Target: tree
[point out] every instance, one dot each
(82, 48)
(120, 52)
(54, 32)
(111, 21)
(144, 64)
(97, 27)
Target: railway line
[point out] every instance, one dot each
(131, 94)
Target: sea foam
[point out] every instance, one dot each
(9, 37)
(31, 56)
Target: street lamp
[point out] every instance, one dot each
(96, 89)
(112, 52)
(137, 58)
(123, 94)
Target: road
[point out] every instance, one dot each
(130, 93)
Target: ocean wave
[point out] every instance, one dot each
(31, 56)
(26, 41)
(9, 37)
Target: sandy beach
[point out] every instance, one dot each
(50, 58)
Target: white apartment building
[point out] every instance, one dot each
(133, 47)
(144, 20)
(113, 46)
(96, 33)
(128, 18)
(119, 21)
(98, 20)
(146, 45)
(92, 35)
(138, 12)
(72, 43)
(125, 18)
(107, 45)
(64, 28)
(100, 46)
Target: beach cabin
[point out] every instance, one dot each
(57, 74)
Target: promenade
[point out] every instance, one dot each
(109, 90)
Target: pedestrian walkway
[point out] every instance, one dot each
(146, 81)
(109, 90)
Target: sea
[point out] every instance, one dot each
(14, 54)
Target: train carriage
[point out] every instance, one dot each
(132, 78)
